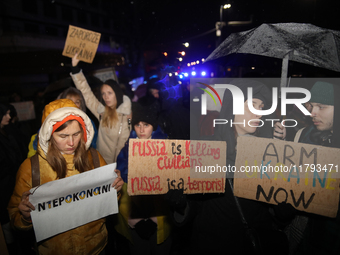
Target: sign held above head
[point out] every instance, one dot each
(82, 41)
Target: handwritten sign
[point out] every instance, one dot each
(275, 171)
(82, 41)
(156, 166)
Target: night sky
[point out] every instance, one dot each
(171, 22)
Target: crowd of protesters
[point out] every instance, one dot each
(173, 223)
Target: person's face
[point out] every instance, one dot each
(5, 119)
(108, 96)
(154, 93)
(143, 130)
(76, 100)
(322, 115)
(243, 128)
(67, 140)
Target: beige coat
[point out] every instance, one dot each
(110, 141)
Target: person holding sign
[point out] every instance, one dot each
(77, 97)
(142, 219)
(113, 112)
(217, 224)
(311, 233)
(64, 139)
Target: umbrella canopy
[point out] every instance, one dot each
(304, 43)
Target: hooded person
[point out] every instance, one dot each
(217, 224)
(64, 139)
(112, 110)
(77, 97)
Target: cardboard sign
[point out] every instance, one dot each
(25, 110)
(156, 166)
(274, 171)
(82, 41)
(83, 198)
(106, 74)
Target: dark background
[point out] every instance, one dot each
(135, 35)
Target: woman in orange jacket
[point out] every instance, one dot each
(64, 139)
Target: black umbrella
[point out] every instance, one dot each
(304, 43)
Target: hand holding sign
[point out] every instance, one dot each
(279, 131)
(118, 183)
(25, 207)
(75, 60)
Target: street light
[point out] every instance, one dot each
(226, 6)
(219, 25)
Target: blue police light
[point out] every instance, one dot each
(203, 73)
(180, 76)
(186, 74)
(193, 73)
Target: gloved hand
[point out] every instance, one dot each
(145, 228)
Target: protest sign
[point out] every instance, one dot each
(83, 198)
(275, 171)
(82, 41)
(25, 110)
(156, 166)
(106, 74)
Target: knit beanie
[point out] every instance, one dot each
(118, 91)
(145, 114)
(322, 93)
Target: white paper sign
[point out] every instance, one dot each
(68, 203)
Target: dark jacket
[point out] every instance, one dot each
(10, 159)
(322, 234)
(217, 226)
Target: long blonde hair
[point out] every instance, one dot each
(58, 162)
(110, 117)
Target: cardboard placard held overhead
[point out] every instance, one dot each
(275, 171)
(156, 166)
(82, 41)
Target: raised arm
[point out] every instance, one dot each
(91, 101)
